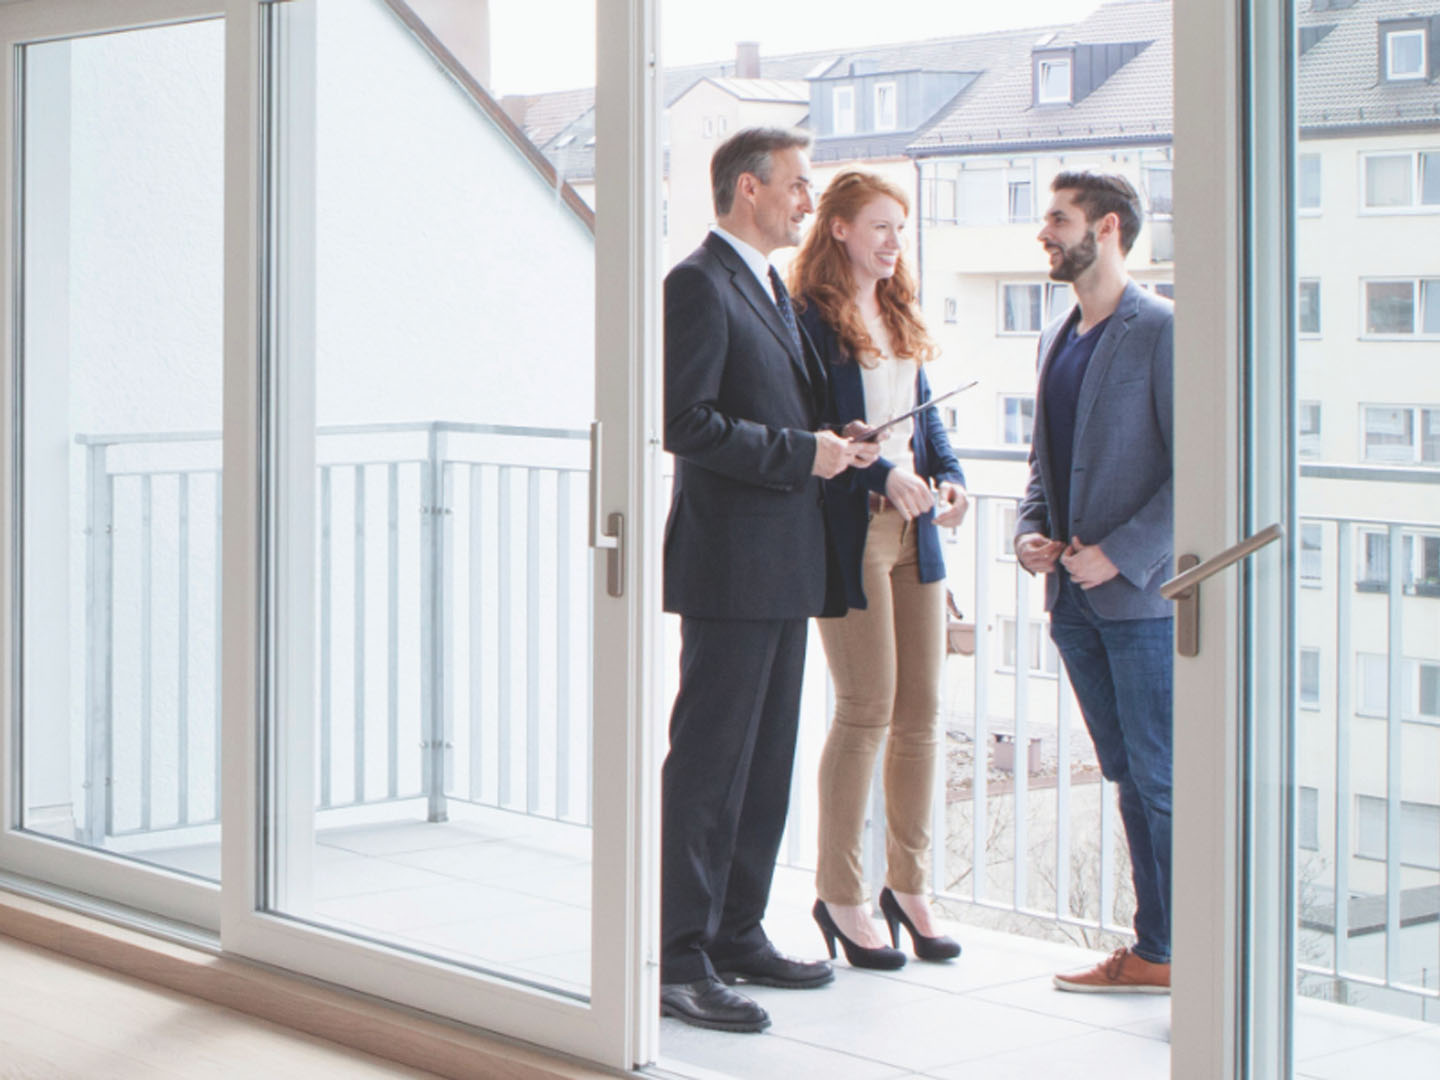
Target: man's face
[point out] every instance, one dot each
(1068, 238)
(781, 205)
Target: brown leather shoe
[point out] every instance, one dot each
(1122, 972)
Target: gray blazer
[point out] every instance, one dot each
(1121, 487)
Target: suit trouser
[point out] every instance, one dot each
(885, 660)
(726, 788)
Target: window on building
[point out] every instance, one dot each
(1309, 306)
(842, 104)
(1424, 559)
(1059, 298)
(707, 126)
(1162, 240)
(937, 199)
(1401, 435)
(1052, 81)
(952, 309)
(1020, 308)
(1308, 825)
(1422, 690)
(1007, 530)
(1020, 201)
(1404, 54)
(1309, 182)
(1017, 419)
(1309, 446)
(1408, 306)
(1043, 659)
(1027, 307)
(1373, 696)
(886, 113)
(1419, 831)
(952, 419)
(1312, 553)
(1402, 181)
(1158, 184)
(1310, 678)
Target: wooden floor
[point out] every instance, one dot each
(61, 1019)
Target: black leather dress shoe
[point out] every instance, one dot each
(709, 1003)
(770, 967)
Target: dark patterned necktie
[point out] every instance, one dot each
(787, 313)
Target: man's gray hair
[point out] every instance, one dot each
(748, 151)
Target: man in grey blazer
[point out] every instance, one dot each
(1097, 520)
(745, 567)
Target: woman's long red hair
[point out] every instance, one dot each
(821, 275)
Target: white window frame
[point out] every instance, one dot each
(1000, 328)
(845, 94)
(1003, 405)
(1418, 288)
(951, 309)
(1005, 522)
(1392, 37)
(1309, 530)
(886, 119)
(1416, 203)
(1319, 330)
(1310, 703)
(1041, 67)
(1371, 819)
(1301, 435)
(1417, 434)
(1301, 208)
(1044, 656)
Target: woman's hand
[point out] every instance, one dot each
(911, 495)
(954, 501)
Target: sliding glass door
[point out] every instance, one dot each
(329, 497)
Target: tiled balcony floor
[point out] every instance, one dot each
(514, 892)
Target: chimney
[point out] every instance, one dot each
(747, 60)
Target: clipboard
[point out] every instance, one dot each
(875, 432)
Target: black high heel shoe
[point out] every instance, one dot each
(882, 959)
(926, 948)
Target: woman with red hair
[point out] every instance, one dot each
(857, 301)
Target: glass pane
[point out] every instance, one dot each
(1061, 299)
(1308, 316)
(1430, 436)
(1309, 181)
(432, 771)
(1430, 179)
(1022, 308)
(1354, 951)
(1387, 179)
(120, 587)
(1054, 80)
(1389, 307)
(1407, 54)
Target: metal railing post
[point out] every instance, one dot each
(432, 633)
(99, 643)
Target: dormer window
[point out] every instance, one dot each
(1404, 54)
(1052, 80)
(842, 104)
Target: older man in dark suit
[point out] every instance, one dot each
(745, 566)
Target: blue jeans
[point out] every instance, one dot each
(1121, 672)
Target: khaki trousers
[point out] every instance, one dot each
(885, 662)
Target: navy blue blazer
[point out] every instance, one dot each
(847, 496)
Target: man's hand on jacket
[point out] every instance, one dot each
(1037, 553)
(1087, 564)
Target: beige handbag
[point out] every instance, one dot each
(959, 634)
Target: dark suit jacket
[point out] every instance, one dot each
(746, 534)
(847, 496)
(1121, 485)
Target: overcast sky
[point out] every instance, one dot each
(551, 45)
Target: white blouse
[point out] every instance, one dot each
(889, 389)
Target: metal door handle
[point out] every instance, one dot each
(610, 536)
(1184, 587)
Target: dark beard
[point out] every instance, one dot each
(1077, 259)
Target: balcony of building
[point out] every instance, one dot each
(452, 816)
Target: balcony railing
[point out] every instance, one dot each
(453, 558)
